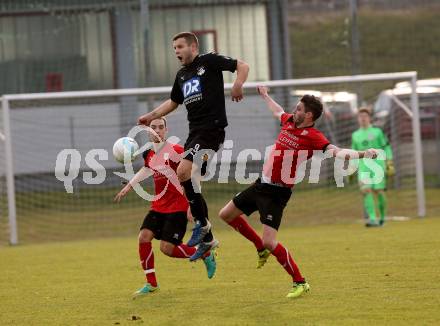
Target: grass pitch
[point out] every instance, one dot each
(358, 276)
(91, 213)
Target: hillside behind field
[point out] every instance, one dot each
(390, 40)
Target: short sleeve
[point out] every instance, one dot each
(176, 93)
(285, 117)
(221, 62)
(320, 142)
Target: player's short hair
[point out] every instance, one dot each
(312, 104)
(161, 118)
(365, 109)
(189, 37)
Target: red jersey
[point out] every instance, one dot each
(164, 164)
(293, 146)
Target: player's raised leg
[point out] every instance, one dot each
(146, 256)
(173, 231)
(183, 251)
(202, 229)
(236, 219)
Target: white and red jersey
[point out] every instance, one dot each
(164, 164)
(293, 146)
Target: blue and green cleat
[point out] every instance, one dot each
(203, 248)
(210, 263)
(199, 232)
(145, 290)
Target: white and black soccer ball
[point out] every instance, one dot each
(124, 149)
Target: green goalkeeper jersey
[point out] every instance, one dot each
(371, 137)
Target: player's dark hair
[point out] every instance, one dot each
(189, 37)
(161, 118)
(365, 110)
(312, 104)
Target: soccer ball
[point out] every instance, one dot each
(124, 149)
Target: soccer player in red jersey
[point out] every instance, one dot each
(167, 219)
(270, 194)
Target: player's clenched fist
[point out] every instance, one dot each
(237, 92)
(145, 119)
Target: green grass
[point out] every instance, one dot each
(358, 276)
(390, 41)
(91, 213)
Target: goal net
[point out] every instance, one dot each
(57, 169)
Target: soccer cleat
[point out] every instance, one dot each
(298, 290)
(146, 289)
(372, 224)
(263, 255)
(199, 232)
(203, 248)
(381, 222)
(210, 263)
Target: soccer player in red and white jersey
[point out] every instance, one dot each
(270, 194)
(167, 219)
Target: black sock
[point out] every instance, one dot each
(208, 237)
(196, 202)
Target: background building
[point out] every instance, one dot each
(58, 45)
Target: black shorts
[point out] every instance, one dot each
(200, 139)
(169, 227)
(268, 200)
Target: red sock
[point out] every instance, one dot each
(183, 251)
(147, 262)
(241, 225)
(287, 262)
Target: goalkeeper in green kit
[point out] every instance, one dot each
(368, 136)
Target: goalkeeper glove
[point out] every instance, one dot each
(390, 168)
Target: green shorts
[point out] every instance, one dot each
(363, 183)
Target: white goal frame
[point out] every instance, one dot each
(5, 134)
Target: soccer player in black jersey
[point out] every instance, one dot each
(199, 85)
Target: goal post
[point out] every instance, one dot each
(105, 98)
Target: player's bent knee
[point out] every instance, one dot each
(223, 214)
(229, 212)
(184, 170)
(166, 248)
(145, 235)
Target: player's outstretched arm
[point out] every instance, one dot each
(273, 106)
(162, 110)
(141, 175)
(242, 75)
(350, 154)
